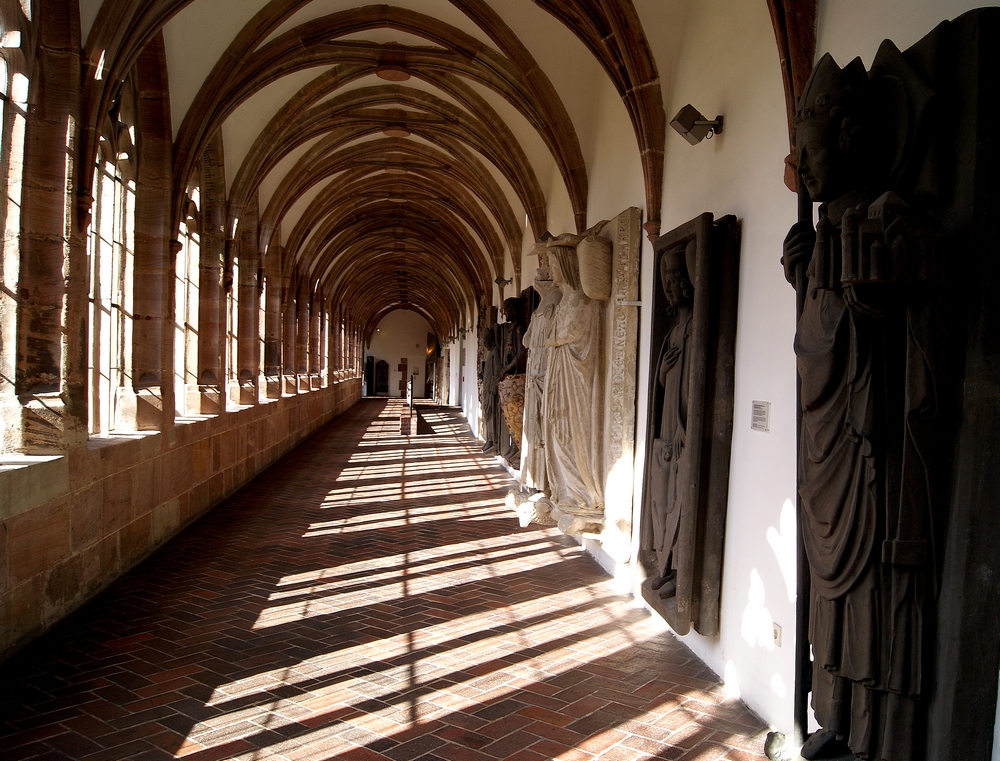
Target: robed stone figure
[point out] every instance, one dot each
(490, 400)
(535, 341)
(865, 360)
(574, 392)
(670, 461)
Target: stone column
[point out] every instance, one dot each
(141, 406)
(289, 385)
(302, 337)
(248, 356)
(211, 297)
(272, 324)
(51, 370)
(315, 340)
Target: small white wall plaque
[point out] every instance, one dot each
(760, 420)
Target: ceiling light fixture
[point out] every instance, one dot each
(392, 72)
(396, 130)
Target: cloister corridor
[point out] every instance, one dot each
(368, 597)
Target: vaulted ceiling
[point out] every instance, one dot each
(400, 156)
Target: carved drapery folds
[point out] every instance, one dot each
(875, 444)
(579, 402)
(686, 481)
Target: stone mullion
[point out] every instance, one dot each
(315, 339)
(326, 334)
(272, 327)
(248, 330)
(288, 311)
(302, 337)
(51, 370)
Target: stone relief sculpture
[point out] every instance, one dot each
(579, 418)
(574, 396)
(866, 362)
(670, 461)
(535, 338)
(511, 386)
(686, 479)
(489, 399)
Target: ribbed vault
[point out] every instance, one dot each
(397, 175)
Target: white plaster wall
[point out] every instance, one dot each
(849, 28)
(402, 333)
(728, 64)
(470, 389)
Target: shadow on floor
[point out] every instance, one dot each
(368, 597)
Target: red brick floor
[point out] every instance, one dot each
(368, 598)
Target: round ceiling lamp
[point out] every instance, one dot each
(396, 130)
(392, 72)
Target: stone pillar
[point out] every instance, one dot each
(302, 337)
(315, 339)
(211, 298)
(141, 406)
(289, 385)
(324, 342)
(51, 370)
(272, 324)
(248, 356)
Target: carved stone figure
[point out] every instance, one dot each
(574, 395)
(490, 399)
(868, 401)
(512, 375)
(533, 458)
(689, 439)
(670, 461)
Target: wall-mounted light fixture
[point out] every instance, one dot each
(503, 282)
(694, 127)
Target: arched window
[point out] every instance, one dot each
(111, 258)
(186, 278)
(13, 113)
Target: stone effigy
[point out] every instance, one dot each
(865, 348)
(533, 458)
(489, 399)
(515, 357)
(689, 438)
(670, 460)
(574, 397)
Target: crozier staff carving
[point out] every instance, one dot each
(574, 395)
(686, 481)
(868, 402)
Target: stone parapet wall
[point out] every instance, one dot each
(72, 524)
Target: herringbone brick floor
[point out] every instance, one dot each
(368, 598)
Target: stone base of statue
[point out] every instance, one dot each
(531, 507)
(665, 606)
(575, 522)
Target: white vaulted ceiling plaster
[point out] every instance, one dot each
(439, 9)
(565, 60)
(273, 178)
(88, 13)
(240, 130)
(195, 39)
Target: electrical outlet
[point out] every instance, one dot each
(777, 634)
